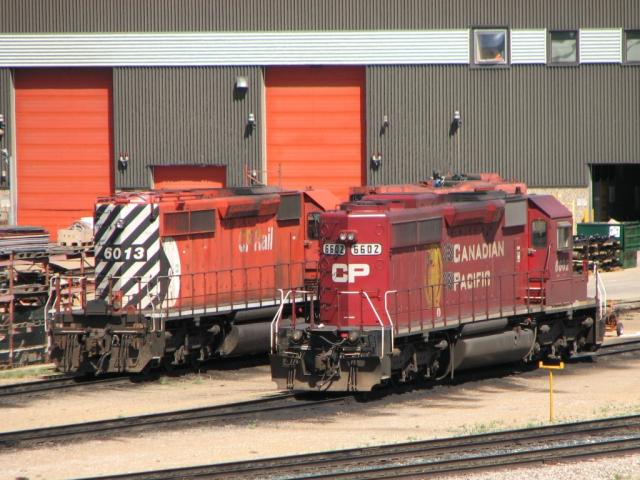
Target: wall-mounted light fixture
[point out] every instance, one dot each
(251, 120)
(3, 126)
(385, 121)
(123, 160)
(457, 119)
(376, 160)
(242, 83)
(456, 123)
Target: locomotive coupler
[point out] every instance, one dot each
(291, 361)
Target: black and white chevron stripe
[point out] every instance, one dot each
(124, 227)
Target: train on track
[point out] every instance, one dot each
(402, 281)
(422, 281)
(183, 276)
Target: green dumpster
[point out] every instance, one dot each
(628, 233)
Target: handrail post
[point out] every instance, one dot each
(386, 309)
(58, 294)
(473, 305)
(366, 295)
(276, 319)
(486, 297)
(293, 308)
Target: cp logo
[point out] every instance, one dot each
(343, 273)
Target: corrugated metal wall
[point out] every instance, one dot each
(535, 123)
(5, 105)
(197, 15)
(178, 116)
(541, 124)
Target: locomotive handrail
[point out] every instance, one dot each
(52, 279)
(601, 293)
(276, 319)
(211, 291)
(375, 312)
(386, 309)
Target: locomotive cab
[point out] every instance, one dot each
(551, 279)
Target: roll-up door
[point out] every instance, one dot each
(188, 176)
(63, 144)
(315, 127)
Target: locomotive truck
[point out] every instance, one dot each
(424, 282)
(183, 276)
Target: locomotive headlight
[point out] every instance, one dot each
(120, 223)
(342, 237)
(351, 237)
(354, 335)
(296, 336)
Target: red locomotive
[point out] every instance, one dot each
(427, 280)
(185, 275)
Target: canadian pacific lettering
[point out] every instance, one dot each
(477, 251)
(472, 253)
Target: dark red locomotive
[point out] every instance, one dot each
(434, 280)
(185, 275)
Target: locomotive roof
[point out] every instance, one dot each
(550, 206)
(157, 196)
(444, 185)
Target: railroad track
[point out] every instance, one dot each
(181, 418)
(442, 456)
(51, 384)
(64, 382)
(622, 345)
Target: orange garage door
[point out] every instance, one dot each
(315, 127)
(64, 150)
(187, 176)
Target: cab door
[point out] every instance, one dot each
(538, 252)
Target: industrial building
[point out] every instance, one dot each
(107, 95)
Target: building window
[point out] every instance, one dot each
(563, 47)
(632, 46)
(490, 46)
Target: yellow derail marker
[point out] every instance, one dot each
(551, 368)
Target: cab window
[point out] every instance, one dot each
(564, 236)
(539, 233)
(313, 226)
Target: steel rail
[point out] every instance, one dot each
(179, 418)
(494, 460)
(51, 384)
(390, 460)
(622, 346)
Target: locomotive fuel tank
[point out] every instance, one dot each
(493, 349)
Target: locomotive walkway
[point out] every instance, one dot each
(449, 455)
